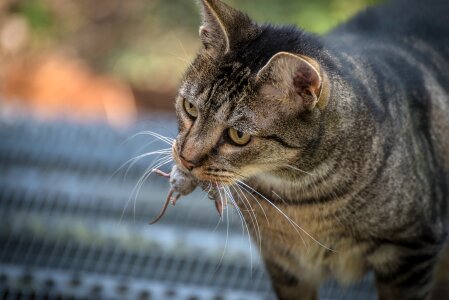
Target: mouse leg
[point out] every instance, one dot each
(175, 199)
(160, 173)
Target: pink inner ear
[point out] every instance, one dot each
(306, 80)
(301, 82)
(306, 83)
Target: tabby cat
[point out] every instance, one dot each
(335, 148)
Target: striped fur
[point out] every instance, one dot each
(362, 175)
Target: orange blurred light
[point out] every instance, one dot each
(58, 86)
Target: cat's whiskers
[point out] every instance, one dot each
(244, 223)
(251, 211)
(156, 135)
(258, 203)
(248, 209)
(242, 177)
(210, 187)
(145, 132)
(242, 185)
(141, 148)
(157, 163)
(166, 158)
(164, 152)
(277, 195)
(161, 162)
(300, 170)
(293, 223)
(238, 210)
(223, 201)
(134, 160)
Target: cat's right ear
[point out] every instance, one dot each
(295, 79)
(223, 27)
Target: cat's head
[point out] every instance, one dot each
(251, 101)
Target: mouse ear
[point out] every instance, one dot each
(224, 27)
(296, 78)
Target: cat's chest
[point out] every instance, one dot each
(306, 240)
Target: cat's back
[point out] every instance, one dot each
(418, 28)
(399, 19)
(396, 57)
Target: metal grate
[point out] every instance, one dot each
(65, 233)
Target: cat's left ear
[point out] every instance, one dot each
(295, 78)
(224, 27)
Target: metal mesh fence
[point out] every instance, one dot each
(74, 229)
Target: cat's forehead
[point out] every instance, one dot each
(214, 82)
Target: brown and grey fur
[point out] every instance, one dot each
(354, 149)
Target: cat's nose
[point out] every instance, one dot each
(187, 164)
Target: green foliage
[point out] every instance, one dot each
(38, 15)
(313, 15)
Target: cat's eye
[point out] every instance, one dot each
(239, 138)
(190, 109)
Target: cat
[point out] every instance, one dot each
(335, 148)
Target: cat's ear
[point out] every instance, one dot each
(294, 77)
(224, 27)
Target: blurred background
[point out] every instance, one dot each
(78, 80)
